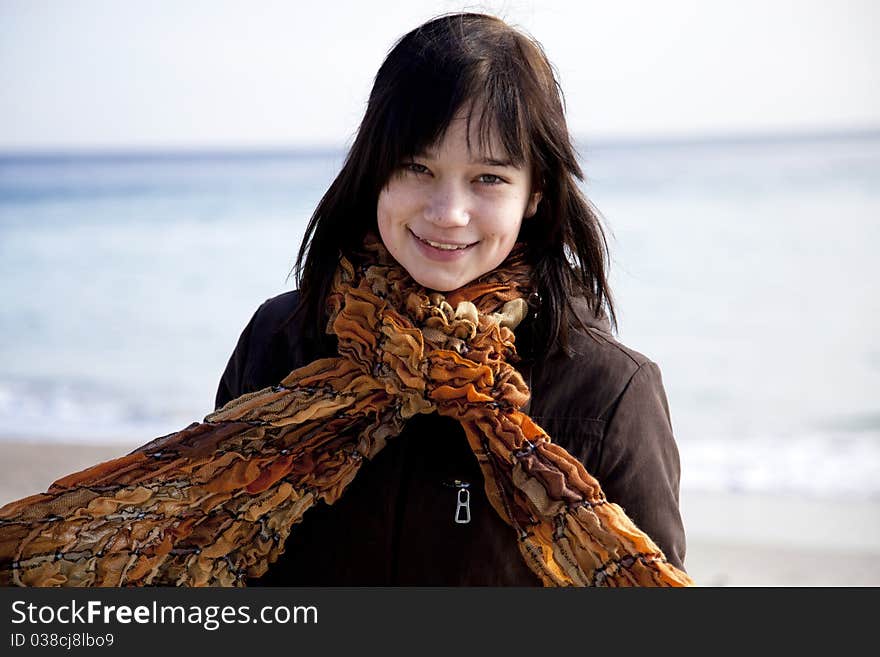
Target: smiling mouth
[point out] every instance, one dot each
(443, 246)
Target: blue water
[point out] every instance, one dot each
(747, 270)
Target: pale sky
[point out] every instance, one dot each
(273, 73)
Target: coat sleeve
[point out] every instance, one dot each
(639, 466)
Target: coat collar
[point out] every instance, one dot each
(525, 331)
(586, 315)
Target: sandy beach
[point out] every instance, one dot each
(733, 540)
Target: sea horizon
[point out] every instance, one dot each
(263, 150)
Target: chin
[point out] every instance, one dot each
(436, 285)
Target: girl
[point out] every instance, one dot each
(463, 151)
(440, 403)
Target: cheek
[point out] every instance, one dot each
(387, 210)
(392, 215)
(382, 208)
(394, 204)
(503, 220)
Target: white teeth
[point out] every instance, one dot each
(444, 247)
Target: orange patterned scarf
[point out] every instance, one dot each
(213, 504)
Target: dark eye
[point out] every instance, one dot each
(415, 167)
(490, 179)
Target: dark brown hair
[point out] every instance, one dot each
(475, 63)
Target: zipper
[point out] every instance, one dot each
(462, 514)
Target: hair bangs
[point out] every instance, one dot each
(501, 119)
(435, 84)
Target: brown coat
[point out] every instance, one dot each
(395, 524)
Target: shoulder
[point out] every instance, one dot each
(268, 348)
(586, 382)
(278, 337)
(576, 395)
(272, 314)
(273, 333)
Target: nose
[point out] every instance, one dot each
(447, 206)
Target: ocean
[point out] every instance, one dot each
(747, 269)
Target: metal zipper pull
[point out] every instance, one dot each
(462, 500)
(462, 507)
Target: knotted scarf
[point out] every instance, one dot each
(214, 503)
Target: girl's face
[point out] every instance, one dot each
(450, 215)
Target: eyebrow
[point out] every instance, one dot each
(488, 161)
(492, 162)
